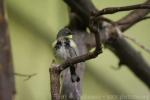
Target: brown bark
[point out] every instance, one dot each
(133, 17)
(7, 88)
(55, 82)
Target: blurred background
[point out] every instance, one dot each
(33, 25)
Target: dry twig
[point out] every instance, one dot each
(112, 10)
(142, 19)
(27, 76)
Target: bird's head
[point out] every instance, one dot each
(64, 38)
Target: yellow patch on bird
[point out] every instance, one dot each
(92, 50)
(54, 43)
(88, 30)
(69, 36)
(73, 44)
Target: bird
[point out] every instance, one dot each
(65, 48)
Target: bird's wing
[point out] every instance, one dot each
(72, 52)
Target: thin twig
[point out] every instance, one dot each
(112, 10)
(142, 19)
(137, 43)
(27, 76)
(133, 17)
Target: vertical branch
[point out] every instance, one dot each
(55, 82)
(7, 88)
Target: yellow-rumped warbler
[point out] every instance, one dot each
(65, 48)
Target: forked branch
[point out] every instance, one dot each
(112, 10)
(120, 47)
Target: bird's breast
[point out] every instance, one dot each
(62, 53)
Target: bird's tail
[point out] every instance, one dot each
(74, 76)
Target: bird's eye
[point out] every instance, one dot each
(58, 43)
(66, 39)
(67, 42)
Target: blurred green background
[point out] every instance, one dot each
(33, 25)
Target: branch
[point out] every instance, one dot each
(7, 84)
(142, 19)
(130, 57)
(117, 47)
(112, 10)
(134, 17)
(83, 8)
(27, 76)
(55, 82)
(137, 43)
